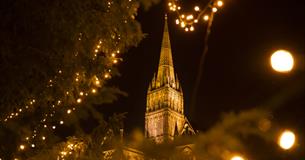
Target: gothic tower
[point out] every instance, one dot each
(164, 117)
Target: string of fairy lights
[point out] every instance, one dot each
(188, 21)
(109, 55)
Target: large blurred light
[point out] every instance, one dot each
(286, 140)
(237, 157)
(282, 61)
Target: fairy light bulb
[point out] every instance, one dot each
(206, 17)
(93, 90)
(61, 122)
(177, 21)
(192, 28)
(79, 100)
(22, 147)
(219, 3)
(69, 111)
(196, 8)
(214, 9)
(182, 24)
(190, 17)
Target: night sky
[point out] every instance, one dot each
(237, 74)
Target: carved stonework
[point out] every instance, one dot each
(164, 105)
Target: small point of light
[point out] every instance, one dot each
(93, 90)
(79, 100)
(61, 122)
(190, 17)
(282, 61)
(22, 147)
(69, 111)
(219, 3)
(206, 17)
(97, 82)
(33, 145)
(53, 127)
(107, 75)
(182, 16)
(286, 140)
(186, 29)
(196, 8)
(192, 28)
(182, 24)
(81, 93)
(214, 9)
(43, 138)
(177, 21)
(115, 61)
(196, 21)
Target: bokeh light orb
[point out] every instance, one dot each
(286, 140)
(237, 157)
(282, 61)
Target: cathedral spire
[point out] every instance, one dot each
(166, 68)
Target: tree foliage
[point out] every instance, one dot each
(44, 45)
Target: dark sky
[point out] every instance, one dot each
(237, 74)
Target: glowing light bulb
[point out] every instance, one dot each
(206, 17)
(190, 17)
(192, 28)
(93, 90)
(182, 16)
(53, 127)
(107, 75)
(196, 21)
(113, 55)
(96, 50)
(214, 9)
(97, 82)
(169, 4)
(282, 61)
(186, 29)
(79, 100)
(196, 8)
(69, 111)
(115, 61)
(177, 21)
(22, 147)
(61, 122)
(43, 138)
(81, 93)
(237, 157)
(219, 3)
(33, 145)
(182, 24)
(286, 140)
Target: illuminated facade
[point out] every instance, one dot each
(164, 117)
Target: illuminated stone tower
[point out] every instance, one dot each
(164, 117)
